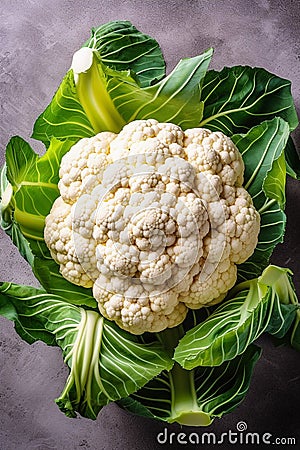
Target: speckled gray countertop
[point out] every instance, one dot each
(38, 39)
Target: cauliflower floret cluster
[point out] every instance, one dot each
(155, 219)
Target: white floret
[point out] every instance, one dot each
(82, 167)
(137, 311)
(116, 258)
(214, 153)
(155, 219)
(77, 268)
(243, 226)
(136, 131)
(211, 285)
(156, 271)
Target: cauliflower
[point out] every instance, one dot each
(155, 219)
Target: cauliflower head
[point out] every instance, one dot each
(154, 219)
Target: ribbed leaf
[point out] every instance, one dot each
(106, 363)
(64, 117)
(7, 222)
(34, 188)
(47, 272)
(274, 183)
(153, 401)
(238, 98)
(13, 299)
(119, 46)
(123, 47)
(111, 98)
(221, 389)
(34, 180)
(262, 149)
(218, 389)
(254, 307)
(174, 99)
(272, 228)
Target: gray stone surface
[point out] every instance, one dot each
(37, 42)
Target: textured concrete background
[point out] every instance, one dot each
(37, 42)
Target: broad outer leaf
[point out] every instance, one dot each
(64, 117)
(238, 98)
(7, 221)
(106, 363)
(218, 390)
(174, 99)
(221, 389)
(28, 187)
(13, 306)
(34, 188)
(254, 306)
(109, 99)
(47, 272)
(119, 46)
(34, 180)
(122, 47)
(262, 149)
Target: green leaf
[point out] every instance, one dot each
(18, 239)
(275, 181)
(217, 391)
(6, 199)
(47, 272)
(34, 181)
(292, 160)
(91, 77)
(174, 99)
(122, 47)
(13, 306)
(253, 307)
(281, 320)
(73, 114)
(222, 389)
(106, 363)
(288, 315)
(7, 222)
(64, 117)
(262, 149)
(238, 98)
(34, 188)
(115, 98)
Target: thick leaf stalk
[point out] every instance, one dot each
(6, 200)
(90, 81)
(184, 405)
(185, 409)
(83, 359)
